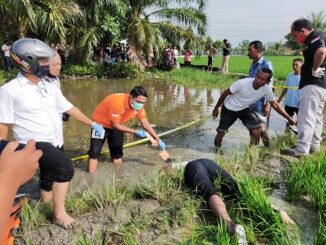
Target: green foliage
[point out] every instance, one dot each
(308, 176)
(120, 70)
(256, 207)
(34, 215)
(210, 234)
(7, 76)
(240, 64)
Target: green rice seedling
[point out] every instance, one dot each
(210, 234)
(160, 186)
(256, 208)
(100, 238)
(76, 205)
(320, 237)
(317, 191)
(108, 196)
(34, 216)
(187, 213)
(295, 182)
(284, 141)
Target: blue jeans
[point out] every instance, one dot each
(8, 63)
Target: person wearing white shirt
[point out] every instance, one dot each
(33, 110)
(236, 100)
(6, 50)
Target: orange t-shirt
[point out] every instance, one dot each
(115, 107)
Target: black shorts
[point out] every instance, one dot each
(291, 110)
(115, 143)
(210, 61)
(55, 166)
(200, 175)
(249, 118)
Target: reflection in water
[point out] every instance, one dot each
(168, 106)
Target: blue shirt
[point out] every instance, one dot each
(292, 95)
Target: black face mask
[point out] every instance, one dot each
(43, 71)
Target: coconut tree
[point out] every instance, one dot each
(54, 18)
(20, 14)
(149, 21)
(318, 20)
(102, 19)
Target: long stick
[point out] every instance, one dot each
(146, 139)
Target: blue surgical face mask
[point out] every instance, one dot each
(136, 106)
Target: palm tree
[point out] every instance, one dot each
(102, 20)
(150, 21)
(20, 14)
(55, 17)
(318, 20)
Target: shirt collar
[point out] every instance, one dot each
(260, 60)
(22, 80)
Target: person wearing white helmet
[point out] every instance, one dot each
(33, 110)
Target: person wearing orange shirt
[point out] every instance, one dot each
(115, 110)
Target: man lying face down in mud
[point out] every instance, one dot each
(235, 103)
(199, 176)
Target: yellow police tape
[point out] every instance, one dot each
(288, 87)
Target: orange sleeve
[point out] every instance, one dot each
(141, 114)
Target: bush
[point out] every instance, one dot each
(119, 70)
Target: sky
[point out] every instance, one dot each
(267, 21)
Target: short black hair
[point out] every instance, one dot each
(298, 59)
(138, 90)
(269, 72)
(298, 24)
(257, 45)
(225, 40)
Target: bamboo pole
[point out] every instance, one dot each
(147, 139)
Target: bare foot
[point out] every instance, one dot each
(46, 196)
(64, 220)
(117, 161)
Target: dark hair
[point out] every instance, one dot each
(269, 72)
(257, 45)
(225, 41)
(298, 59)
(138, 90)
(298, 24)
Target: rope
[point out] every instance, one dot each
(146, 139)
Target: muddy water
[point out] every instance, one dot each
(169, 106)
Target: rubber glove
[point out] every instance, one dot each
(319, 72)
(161, 145)
(99, 128)
(140, 133)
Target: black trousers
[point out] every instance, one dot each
(55, 166)
(200, 175)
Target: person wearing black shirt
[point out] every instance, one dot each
(312, 88)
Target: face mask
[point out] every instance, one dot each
(43, 71)
(136, 106)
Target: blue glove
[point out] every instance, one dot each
(140, 133)
(161, 145)
(98, 128)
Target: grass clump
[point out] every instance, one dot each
(256, 208)
(210, 234)
(110, 195)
